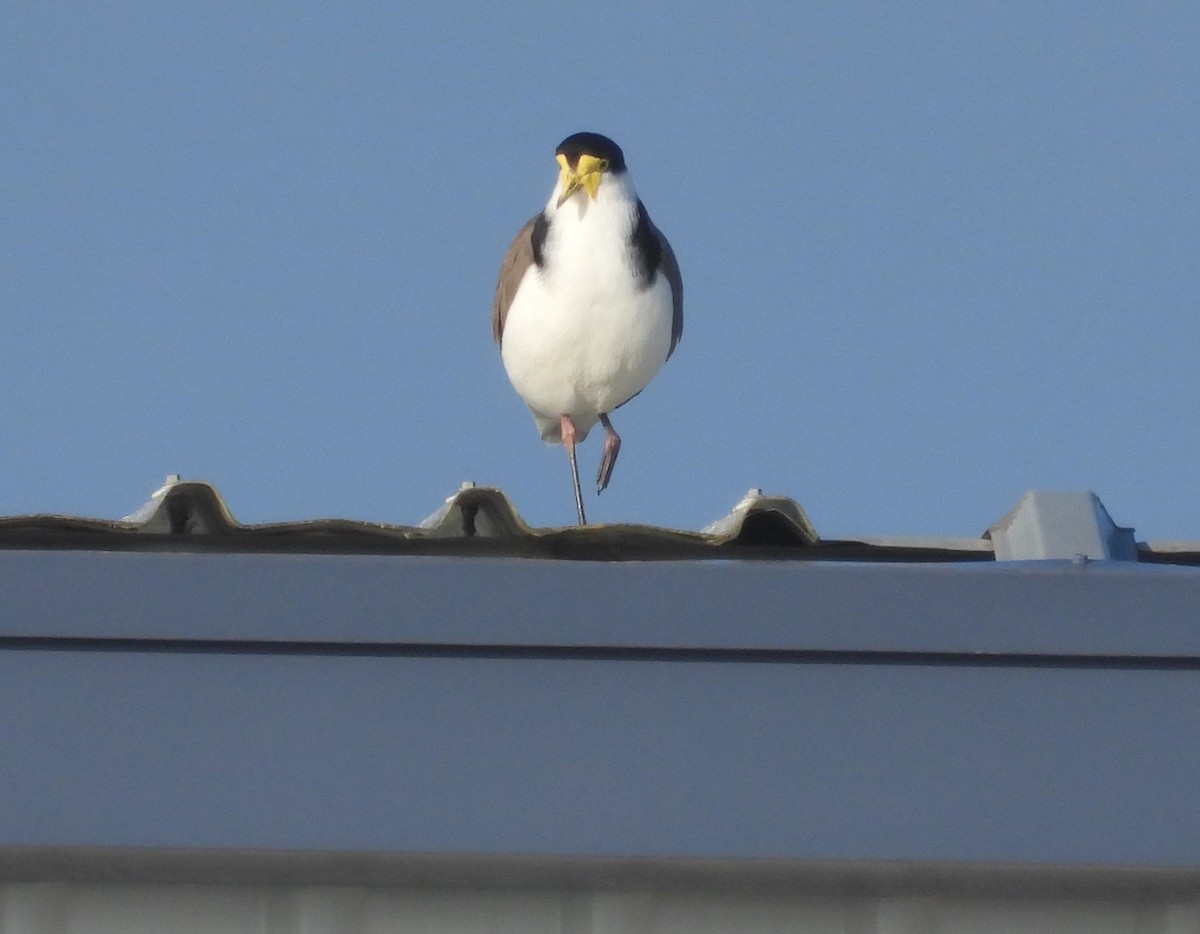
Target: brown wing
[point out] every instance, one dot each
(518, 258)
(669, 267)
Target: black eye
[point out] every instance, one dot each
(603, 165)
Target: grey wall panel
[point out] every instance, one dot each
(476, 754)
(1045, 607)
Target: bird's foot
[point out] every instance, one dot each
(608, 460)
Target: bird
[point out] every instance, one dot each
(589, 302)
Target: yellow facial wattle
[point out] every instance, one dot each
(588, 172)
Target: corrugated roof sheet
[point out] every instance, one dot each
(481, 521)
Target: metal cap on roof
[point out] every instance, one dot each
(1061, 524)
(770, 518)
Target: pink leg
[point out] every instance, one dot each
(608, 460)
(567, 427)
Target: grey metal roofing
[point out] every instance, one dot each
(396, 696)
(1040, 712)
(479, 521)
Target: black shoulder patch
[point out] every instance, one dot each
(538, 238)
(647, 251)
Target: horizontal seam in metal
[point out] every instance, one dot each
(795, 656)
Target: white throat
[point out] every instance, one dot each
(591, 237)
(615, 192)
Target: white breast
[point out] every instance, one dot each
(582, 335)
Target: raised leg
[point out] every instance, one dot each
(608, 460)
(568, 438)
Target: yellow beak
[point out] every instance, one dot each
(586, 175)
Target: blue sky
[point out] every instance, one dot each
(935, 255)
